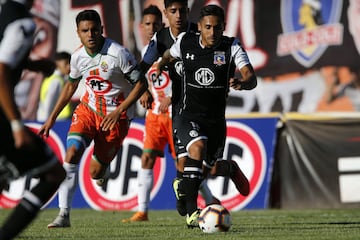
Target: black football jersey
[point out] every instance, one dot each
(207, 72)
(162, 41)
(16, 36)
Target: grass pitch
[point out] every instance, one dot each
(89, 224)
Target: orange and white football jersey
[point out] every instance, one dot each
(104, 76)
(160, 87)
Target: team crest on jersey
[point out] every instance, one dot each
(104, 66)
(309, 28)
(219, 58)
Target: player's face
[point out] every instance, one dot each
(177, 15)
(90, 34)
(211, 29)
(150, 24)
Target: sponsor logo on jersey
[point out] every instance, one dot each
(219, 58)
(190, 56)
(244, 146)
(121, 190)
(161, 82)
(98, 84)
(204, 76)
(309, 27)
(12, 195)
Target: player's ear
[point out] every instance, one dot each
(199, 26)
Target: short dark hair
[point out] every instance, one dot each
(167, 3)
(153, 10)
(62, 56)
(88, 15)
(212, 10)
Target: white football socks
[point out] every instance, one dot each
(68, 187)
(145, 183)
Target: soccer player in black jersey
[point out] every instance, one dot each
(21, 151)
(176, 11)
(209, 61)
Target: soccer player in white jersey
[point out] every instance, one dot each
(106, 68)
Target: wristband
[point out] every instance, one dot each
(16, 125)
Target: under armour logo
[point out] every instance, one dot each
(191, 56)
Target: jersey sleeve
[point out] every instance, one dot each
(129, 66)
(175, 50)
(143, 51)
(17, 41)
(75, 74)
(239, 54)
(151, 53)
